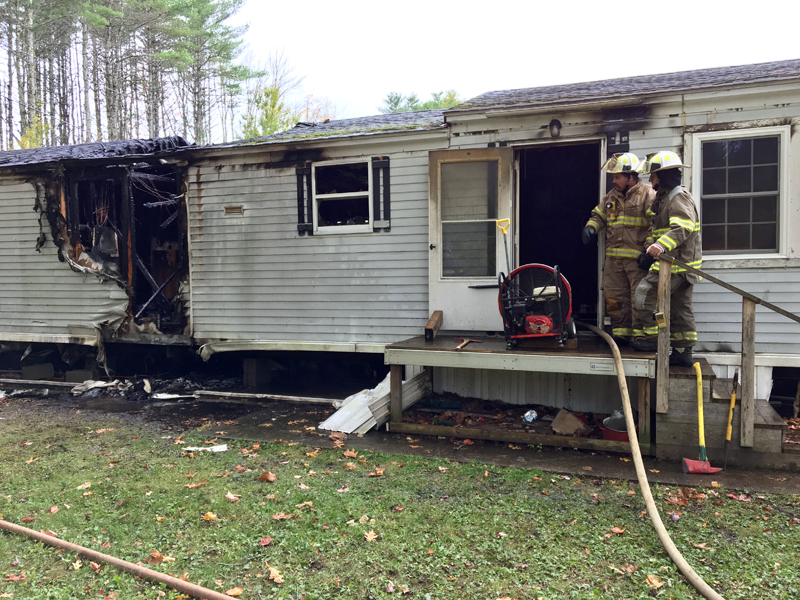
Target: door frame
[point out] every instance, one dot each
(537, 144)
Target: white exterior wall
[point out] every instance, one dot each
(254, 278)
(42, 299)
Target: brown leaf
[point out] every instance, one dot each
(53, 510)
(500, 534)
(281, 516)
(617, 530)
(267, 476)
(95, 566)
(194, 485)
(210, 516)
(702, 546)
(275, 575)
(350, 453)
(237, 591)
(443, 469)
(265, 541)
(28, 519)
(654, 582)
(184, 577)
(83, 486)
(233, 497)
(370, 536)
(587, 468)
(350, 466)
(240, 468)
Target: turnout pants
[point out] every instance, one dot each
(621, 276)
(682, 328)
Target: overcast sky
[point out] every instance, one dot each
(355, 52)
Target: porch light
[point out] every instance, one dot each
(555, 128)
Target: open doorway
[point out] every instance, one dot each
(558, 187)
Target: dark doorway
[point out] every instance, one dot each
(558, 187)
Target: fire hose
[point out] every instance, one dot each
(666, 541)
(184, 587)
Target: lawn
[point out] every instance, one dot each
(336, 523)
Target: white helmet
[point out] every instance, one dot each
(627, 162)
(658, 161)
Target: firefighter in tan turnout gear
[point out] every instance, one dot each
(676, 229)
(625, 214)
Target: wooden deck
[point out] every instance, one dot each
(591, 356)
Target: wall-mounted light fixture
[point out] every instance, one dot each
(555, 128)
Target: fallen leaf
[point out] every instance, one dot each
(77, 565)
(350, 466)
(468, 442)
(210, 516)
(350, 453)
(443, 469)
(412, 446)
(702, 546)
(303, 486)
(344, 489)
(194, 485)
(233, 497)
(370, 536)
(376, 473)
(265, 425)
(587, 468)
(740, 498)
(184, 577)
(631, 493)
(240, 468)
(390, 588)
(500, 534)
(715, 484)
(95, 566)
(275, 575)
(655, 471)
(654, 582)
(237, 591)
(265, 541)
(625, 459)
(281, 516)
(53, 510)
(513, 447)
(28, 519)
(269, 497)
(160, 518)
(84, 486)
(617, 530)
(89, 493)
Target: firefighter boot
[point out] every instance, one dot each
(641, 344)
(681, 357)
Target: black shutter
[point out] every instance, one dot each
(305, 219)
(381, 219)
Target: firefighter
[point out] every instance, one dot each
(625, 214)
(676, 229)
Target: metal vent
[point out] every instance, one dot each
(234, 210)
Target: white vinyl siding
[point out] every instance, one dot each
(41, 298)
(254, 278)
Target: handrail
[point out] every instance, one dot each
(734, 289)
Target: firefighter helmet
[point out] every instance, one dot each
(627, 162)
(658, 161)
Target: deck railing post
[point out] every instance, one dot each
(662, 364)
(748, 371)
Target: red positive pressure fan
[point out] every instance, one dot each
(536, 302)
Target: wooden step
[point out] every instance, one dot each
(683, 382)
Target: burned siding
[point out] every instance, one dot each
(42, 299)
(255, 278)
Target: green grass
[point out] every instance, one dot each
(444, 543)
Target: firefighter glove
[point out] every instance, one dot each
(589, 235)
(645, 261)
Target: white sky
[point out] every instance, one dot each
(354, 52)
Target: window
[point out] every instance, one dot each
(740, 180)
(341, 193)
(469, 194)
(344, 196)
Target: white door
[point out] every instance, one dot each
(469, 191)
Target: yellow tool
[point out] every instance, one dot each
(503, 225)
(730, 417)
(701, 466)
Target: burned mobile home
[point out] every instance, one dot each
(345, 237)
(97, 233)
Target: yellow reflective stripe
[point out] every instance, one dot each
(667, 242)
(650, 330)
(599, 213)
(632, 221)
(676, 269)
(638, 332)
(622, 332)
(685, 223)
(683, 336)
(662, 231)
(591, 224)
(622, 252)
(649, 213)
